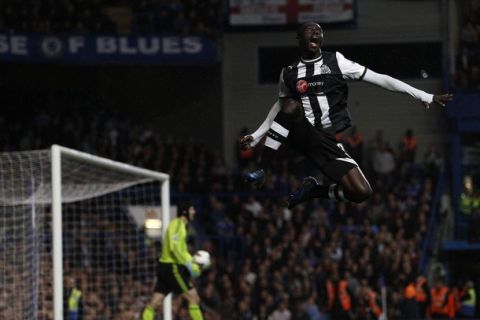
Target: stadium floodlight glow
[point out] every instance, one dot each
(66, 214)
(153, 228)
(153, 224)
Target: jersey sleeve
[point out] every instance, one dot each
(177, 241)
(284, 92)
(262, 130)
(392, 84)
(350, 69)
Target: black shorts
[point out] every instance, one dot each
(323, 150)
(172, 277)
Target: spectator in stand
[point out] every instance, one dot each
(408, 147)
(374, 145)
(413, 187)
(410, 301)
(383, 166)
(369, 302)
(474, 224)
(468, 301)
(468, 201)
(423, 297)
(281, 312)
(442, 304)
(432, 161)
(312, 310)
(253, 206)
(339, 299)
(73, 300)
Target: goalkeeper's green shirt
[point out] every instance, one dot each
(174, 249)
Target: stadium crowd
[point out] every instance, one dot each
(180, 17)
(94, 16)
(293, 261)
(468, 61)
(316, 260)
(54, 16)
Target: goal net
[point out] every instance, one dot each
(72, 220)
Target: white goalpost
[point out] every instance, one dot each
(71, 219)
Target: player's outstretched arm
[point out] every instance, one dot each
(392, 84)
(251, 140)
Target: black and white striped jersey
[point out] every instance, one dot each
(320, 85)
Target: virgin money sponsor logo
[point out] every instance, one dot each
(302, 86)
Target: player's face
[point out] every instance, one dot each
(311, 39)
(191, 213)
(70, 282)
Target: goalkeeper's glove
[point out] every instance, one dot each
(193, 268)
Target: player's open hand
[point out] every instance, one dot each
(245, 142)
(441, 99)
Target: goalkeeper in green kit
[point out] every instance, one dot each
(177, 267)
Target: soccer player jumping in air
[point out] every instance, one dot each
(176, 268)
(311, 108)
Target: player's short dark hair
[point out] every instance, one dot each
(305, 25)
(182, 208)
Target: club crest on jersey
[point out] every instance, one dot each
(324, 69)
(302, 86)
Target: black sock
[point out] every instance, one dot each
(332, 191)
(276, 135)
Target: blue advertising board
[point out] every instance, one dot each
(106, 49)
